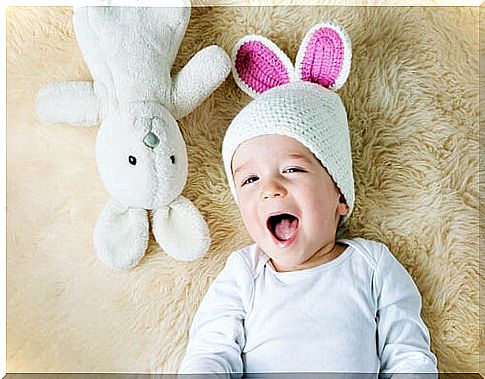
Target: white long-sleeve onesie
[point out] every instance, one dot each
(357, 313)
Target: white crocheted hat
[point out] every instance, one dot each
(297, 101)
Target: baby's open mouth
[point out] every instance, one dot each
(283, 226)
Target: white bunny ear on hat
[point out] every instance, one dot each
(324, 58)
(325, 55)
(259, 65)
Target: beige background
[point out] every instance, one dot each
(412, 99)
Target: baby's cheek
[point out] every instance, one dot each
(248, 217)
(250, 222)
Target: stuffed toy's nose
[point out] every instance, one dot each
(151, 140)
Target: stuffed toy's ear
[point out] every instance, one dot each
(180, 230)
(324, 56)
(73, 102)
(259, 65)
(121, 235)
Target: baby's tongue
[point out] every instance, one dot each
(286, 228)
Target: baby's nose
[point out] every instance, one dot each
(273, 190)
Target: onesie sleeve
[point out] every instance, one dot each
(217, 337)
(403, 339)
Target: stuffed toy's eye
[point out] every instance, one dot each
(132, 160)
(172, 158)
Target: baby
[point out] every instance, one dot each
(298, 300)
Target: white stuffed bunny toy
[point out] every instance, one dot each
(140, 152)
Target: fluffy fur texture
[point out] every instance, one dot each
(412, 100)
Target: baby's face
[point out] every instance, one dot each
(288, 202)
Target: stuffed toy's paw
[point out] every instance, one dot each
(180, 230)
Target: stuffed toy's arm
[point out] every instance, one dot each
(68, 102)
(205, 71)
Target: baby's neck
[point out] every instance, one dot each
(321, 257)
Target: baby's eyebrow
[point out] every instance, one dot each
(299, 156)
(240, 168)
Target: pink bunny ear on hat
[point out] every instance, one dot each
(259, 65)
(324, 56)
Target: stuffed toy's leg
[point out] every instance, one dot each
(181, 230)
(121, 235)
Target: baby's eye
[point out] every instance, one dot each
(249, 180)
(293, 169)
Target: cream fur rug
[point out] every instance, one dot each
(412, 99)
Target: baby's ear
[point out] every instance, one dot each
(259, 65)
(343, 208)
(325, 55)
